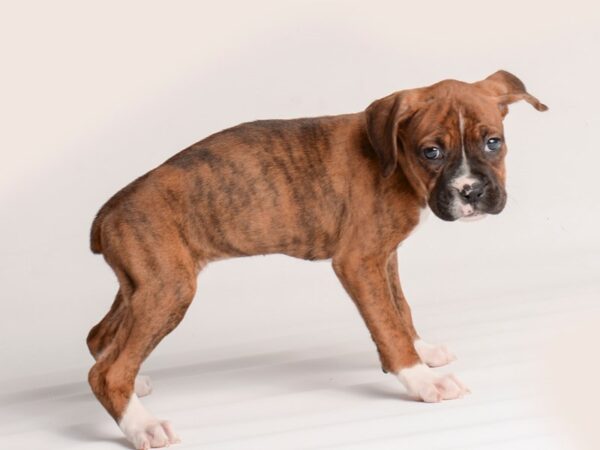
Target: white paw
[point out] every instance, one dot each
(143, 385)
(143, 430)
(422, 383)
(434, 355)
(154, 434)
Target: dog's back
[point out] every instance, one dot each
(260, 187)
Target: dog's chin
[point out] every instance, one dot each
(459, 211)
(473, 217)
(467, 213)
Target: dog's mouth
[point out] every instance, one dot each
(472, 216)
(462, 212)
(450, 207)
(468, 213)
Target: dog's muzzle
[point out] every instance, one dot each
(470, 201)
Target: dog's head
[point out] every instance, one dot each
(448, 140)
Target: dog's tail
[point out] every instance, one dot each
(95, 234)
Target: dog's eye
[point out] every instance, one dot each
(433, 153)
(493, 145)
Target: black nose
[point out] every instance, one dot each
(472, 193)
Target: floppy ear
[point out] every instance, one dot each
(509, 89)
(384, 117)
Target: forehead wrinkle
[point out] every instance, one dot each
(469, 124)
(478, 127)
(436, 123)
(435, 113)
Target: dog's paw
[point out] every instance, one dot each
(422, 383)
(154, 434)
(143, 430)
(143, 385)
(434, 355)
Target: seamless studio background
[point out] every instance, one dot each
(272, 353)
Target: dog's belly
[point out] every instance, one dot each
(264, 192)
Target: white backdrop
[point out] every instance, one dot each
(94, 95)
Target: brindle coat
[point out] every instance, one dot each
(348, 187)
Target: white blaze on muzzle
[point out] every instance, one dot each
(464, 179)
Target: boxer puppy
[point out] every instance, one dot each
(348, 188)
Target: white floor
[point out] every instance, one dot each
(322, 387)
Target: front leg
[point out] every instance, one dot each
(431, 354)
(366, 281)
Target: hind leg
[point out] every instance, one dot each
(157, 285)
(154, 312)
(103, 333)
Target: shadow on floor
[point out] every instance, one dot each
(70, 410)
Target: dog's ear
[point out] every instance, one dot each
(384, 119)
(508, 89)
